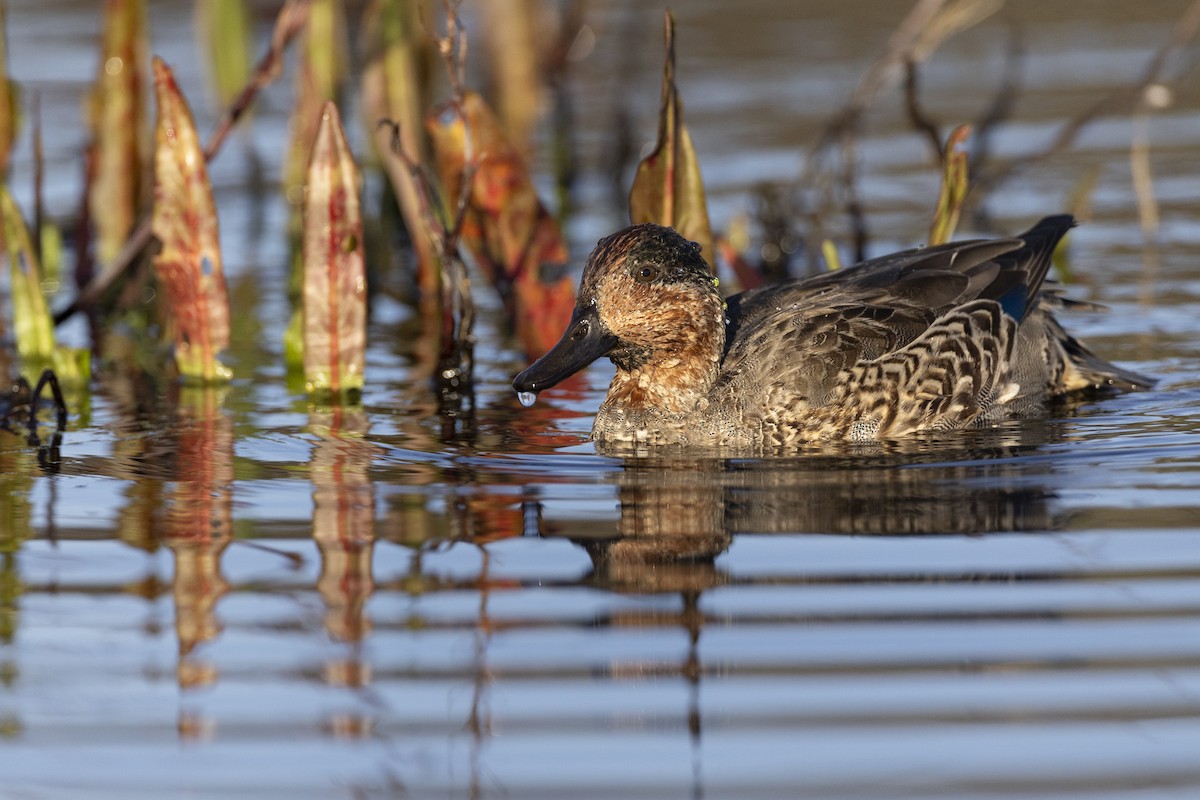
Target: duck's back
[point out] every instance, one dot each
(944, 336)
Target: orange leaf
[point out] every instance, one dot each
(668, 188)
(335, 282)
(511, 235)
(185, 221)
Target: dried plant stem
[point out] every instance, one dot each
(291, 20)
(1121, 100)
(1143, 182)
(453, 49)
(916, 115)
(927, 24)
(458, 306)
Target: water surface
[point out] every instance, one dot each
(226, 593)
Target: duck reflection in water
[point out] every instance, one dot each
(679, 512)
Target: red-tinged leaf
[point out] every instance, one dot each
(955, 169)
(747, 276)
(512, 237)
(335, 283)
(116, 189)
(185, 221)
(668, 188)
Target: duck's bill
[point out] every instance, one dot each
(585, 341)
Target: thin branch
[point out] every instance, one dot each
(927, 25)
(1002, 102)
(916, 115)
(1120, 100)
(452, 48)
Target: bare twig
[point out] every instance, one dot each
(1120, 100)
(456, 288)
(453, 48)
(927, 24)
(916, 115)
(427, 193)
(854, 205)
(1002, 102)
(291, 20)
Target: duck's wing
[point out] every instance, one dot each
(795, 340)
(1010, 271)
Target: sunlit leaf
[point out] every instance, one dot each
(512, 237)
(185, 221)
(668, 188)
(830, 254)
(119, 132)
(954, 186)
(226, 28)
(34, 327)
(31, 317)
(335, 284)
(51, 240)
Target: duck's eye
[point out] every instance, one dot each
(646, 273)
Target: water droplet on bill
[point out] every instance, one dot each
(527, 398)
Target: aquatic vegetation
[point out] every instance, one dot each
(955, 172)
(335, 283)
(120, 139)
(505, 226)
(667, 188)
(461, 175)
(32, 322)
(188, 265)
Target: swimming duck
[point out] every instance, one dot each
(951, 336)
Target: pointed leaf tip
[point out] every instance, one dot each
(188, 266)
(668, 188)
(334, 275)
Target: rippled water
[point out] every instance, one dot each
(226, 593)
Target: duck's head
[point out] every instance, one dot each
(648, 300)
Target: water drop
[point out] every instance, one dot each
(527, 398)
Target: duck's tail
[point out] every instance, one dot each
(1081, 370)
(1023, 270)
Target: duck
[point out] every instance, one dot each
(937, 338)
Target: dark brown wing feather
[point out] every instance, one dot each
(800, 336)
